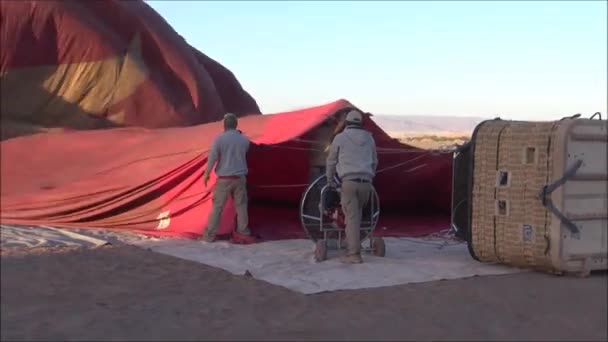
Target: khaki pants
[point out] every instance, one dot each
(237, 188)
(354, 198)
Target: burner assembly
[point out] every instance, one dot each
(323, 220)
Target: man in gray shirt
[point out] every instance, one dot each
(352, 155)
(229, 150)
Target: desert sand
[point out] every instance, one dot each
(127, 293)
(434, 139)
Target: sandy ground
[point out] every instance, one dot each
(432, 139)
(126, 293)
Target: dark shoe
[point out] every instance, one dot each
(243, 239)
(351, 259)
(208, 239)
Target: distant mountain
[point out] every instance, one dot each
(412, 124)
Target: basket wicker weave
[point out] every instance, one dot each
(516, 233)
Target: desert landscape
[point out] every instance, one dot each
(434, 140)
(122, 129)
(428, 132)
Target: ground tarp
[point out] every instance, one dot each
(290, 263)
(287, 263)
(150, 180)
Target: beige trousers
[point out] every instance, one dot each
(354, 198)
(237, 188)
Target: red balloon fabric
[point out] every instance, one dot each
(70, 68)
(150, 180)
(98, 64)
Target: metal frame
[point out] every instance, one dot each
(367, 226)
(453, 225)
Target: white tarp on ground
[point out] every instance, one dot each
(289, 263)
(30, 237)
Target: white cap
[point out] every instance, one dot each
(354, 116)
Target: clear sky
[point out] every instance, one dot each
(533, 60)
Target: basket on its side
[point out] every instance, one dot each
(512, 221)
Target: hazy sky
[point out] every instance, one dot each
(517, 59)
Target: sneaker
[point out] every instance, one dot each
(351, 259)
(242, 239)
(243, 232)
(208, 239)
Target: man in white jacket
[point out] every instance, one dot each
(352, 155)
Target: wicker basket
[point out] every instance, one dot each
(513, 161)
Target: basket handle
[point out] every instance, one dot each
(596, 113)
(575, 116)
